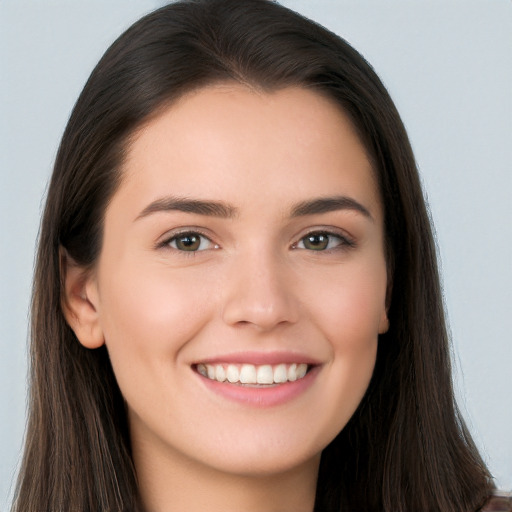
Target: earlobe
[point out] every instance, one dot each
(384, 320)
(79, 302)
(384, 323)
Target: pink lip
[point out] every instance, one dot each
(256, 396)
(260, 358)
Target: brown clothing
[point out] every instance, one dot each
(499, 502)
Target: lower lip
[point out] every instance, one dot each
(267, 396)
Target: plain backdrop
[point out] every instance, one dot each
(448, 66)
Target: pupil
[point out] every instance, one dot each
(317, 241)
(189, 242)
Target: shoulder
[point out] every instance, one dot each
(500, 501)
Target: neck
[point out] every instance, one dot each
(173, 483)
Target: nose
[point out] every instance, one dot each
(260, 292)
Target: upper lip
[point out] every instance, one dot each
(260, 358)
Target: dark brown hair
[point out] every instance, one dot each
(406, 448)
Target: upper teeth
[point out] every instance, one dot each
(251, 374)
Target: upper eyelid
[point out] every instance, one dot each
(328, 230)
(173, 233)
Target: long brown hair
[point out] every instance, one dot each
(406, 448)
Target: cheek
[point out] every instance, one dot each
(149, 316)
(352, 322)
(352, 305)
(349, 316)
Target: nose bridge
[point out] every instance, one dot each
(259, 291)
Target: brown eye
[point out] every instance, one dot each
(316, 241)
(190, 242)
(323, 241)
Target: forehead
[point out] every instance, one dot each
(235, 143)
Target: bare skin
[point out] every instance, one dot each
(247, 232)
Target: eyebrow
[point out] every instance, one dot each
(197, 206)
(227, 211)
(329, 204)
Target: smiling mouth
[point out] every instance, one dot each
(249, 374)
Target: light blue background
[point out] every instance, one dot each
(448, 66)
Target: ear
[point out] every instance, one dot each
(384, 322)
(79, 301)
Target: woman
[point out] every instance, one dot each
(236, 302)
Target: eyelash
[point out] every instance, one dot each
(344, 242)
(167, 243)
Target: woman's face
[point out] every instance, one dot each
(243, 248)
